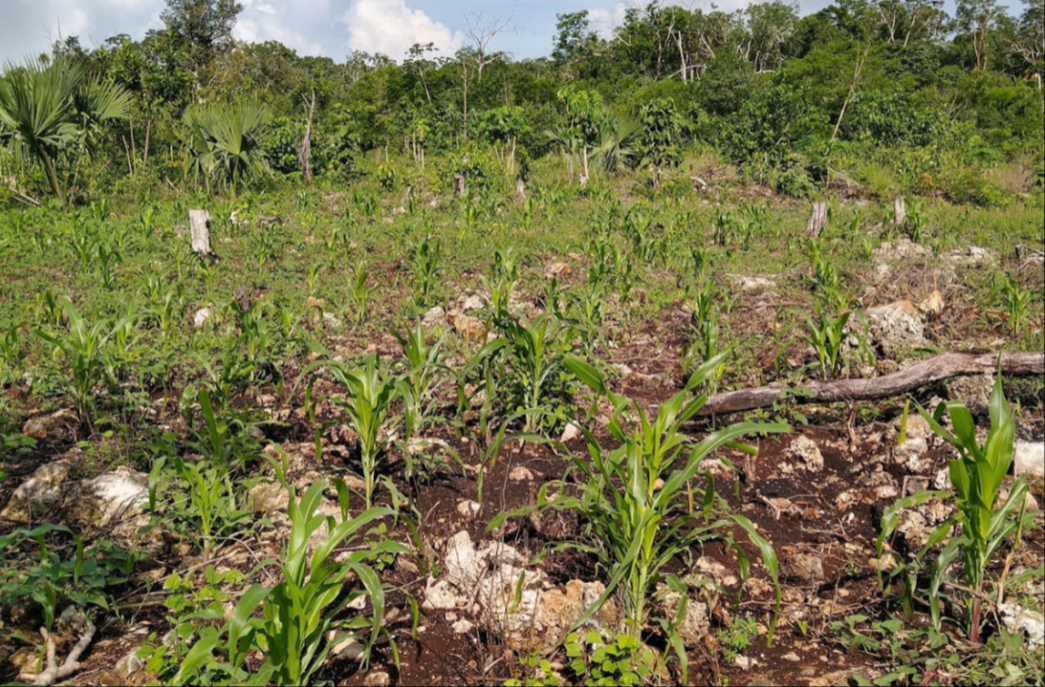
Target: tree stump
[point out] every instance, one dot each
(817, 220)
(520, 190)
(459, 185)
(899, 211)
(199, 226)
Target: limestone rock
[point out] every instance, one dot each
(113, 501)
(39, 494)
(56, 426)
(895, 327)
(1029, 458)
(436, 317)
(807, 452)
(1019, 619)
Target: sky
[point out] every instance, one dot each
(333, 28)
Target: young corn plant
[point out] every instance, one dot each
(1016, 302)
(705, 346)
(301, 617)
(635, 500)
(84, 350)
(827, 336)
(535, 353)
(420, 370)
(425, 261)
(369, 393)
(501, 282)
(982, 523)
(360, 292)
(209, 500)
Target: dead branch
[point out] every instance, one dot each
(54, 672)
(922, 374)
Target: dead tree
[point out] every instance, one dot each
(199, 226)
(927, 372)
(817, 220)
(459, 185)
(305, 154)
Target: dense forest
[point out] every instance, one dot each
(881, 97)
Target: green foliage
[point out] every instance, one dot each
(425, 261)
(297, 614)
(982, 524)
(627, 529)
(916, 654)
(62, 573)
(84, 350)
(369, 392)
(224, 143)
(661, 130)
(1016, 301)
(828, 336)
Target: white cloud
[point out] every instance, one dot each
(390, 27)
(265, 21)
(605, 20)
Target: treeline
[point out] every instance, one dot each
(881, 96)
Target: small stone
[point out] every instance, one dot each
(745, 663)
(571, 432)
(58, 425)
(520, 474)
(39, 494)
(472, 303)
(377, 679)
(1020, 619)
(463, 626)
(791, 657)
(201, 317)
(129, 664)
(469, 509)
(436, 317)
(1029, 458)
(806, 450)
(441, 596)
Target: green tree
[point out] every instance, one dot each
(47, 111)
(204, 25)
(661, 134)
(224, 143)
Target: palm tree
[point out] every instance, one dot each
(224, 142)
(617, 149)
(47, 110)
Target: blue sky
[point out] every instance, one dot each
(323, 27)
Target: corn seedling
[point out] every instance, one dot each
(421, 367)
(982, 524)
(301, 617)
(827, 336)
(632, 499)
(369, 393)
(1016, 302)
(425, 261)
(84, 350)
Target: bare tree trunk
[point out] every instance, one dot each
(459, 185)
(199, 226)
(306, 145)
(520, 190)
(923, 374)
(899, 211)
(817, 220)
(852, 91)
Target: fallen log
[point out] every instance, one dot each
(922, 374)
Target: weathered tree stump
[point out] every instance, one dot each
(520, 190)
(459, 186)
(899, 211)
(817, 220)
(199, 226)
